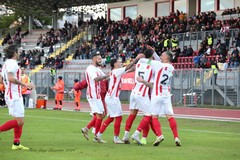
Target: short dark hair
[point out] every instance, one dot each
(112, 62)
(60, 77)
(10, 51)
(76, 80)
(148, 53)
(95, 54)
(170, 56)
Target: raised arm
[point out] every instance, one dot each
(130, 65)
(155, 55)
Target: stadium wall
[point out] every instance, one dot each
(147, 8)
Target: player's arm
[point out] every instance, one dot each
(141, 80)
(155, 55)
(1, 79)
(81, 85)
(14, 80)
(100, 78)
(131, 69)
(130, 65)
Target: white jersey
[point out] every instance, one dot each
(93, 88)
(115, 82)
(162, 79)
(144, 70)
(13, 91)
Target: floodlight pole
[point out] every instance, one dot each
(54, 20)
(30, 24)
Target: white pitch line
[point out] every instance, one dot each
(135, 125)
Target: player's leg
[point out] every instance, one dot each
(11, 123)
(128, 125)
(99, 109)
(156, 106)
(143, 125)
(131, 117)
(91, 124)
(117, 125)
(8, 125)
(157, 129)
(168, 110)
(104, 127)
(17, 135)
(18, 114)
(173, 126)
(143, 105)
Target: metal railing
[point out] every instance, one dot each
(199, 82)
(195, 38)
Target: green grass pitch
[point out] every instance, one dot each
(55, 135)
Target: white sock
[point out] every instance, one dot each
(136, 133)
(144, 138)
(99, 134)
(93, 130)
(126, 135)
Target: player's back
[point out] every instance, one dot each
(145, 71)
(163, 73)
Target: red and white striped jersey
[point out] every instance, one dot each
(144, 70)
(13, 91)
(162, 78)
(114, 88)
(93, 88)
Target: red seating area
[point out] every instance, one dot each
(187, 62)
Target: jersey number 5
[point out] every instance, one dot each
(141, 74)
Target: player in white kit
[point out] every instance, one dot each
(93, 77)
(139, 98)
(161, 97)
(112, 100)
(11, 78)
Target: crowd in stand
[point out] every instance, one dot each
(129, 37)
(30, 58)
(53, 36)
(16, 39)
(231, 11)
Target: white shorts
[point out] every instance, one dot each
(141, 103)
(114, 106)
(96, 106)
(15, 107)
(161, 105)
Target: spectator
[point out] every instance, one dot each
(189, 51)
(203, 61)
(215, 69)
(233, 61)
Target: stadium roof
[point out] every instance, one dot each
(50, 5)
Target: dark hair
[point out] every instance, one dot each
(148, 53)
(76, 80)
(112, 62)
(10, 51)
(60, 77)
(95, 54)
(170, 56)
